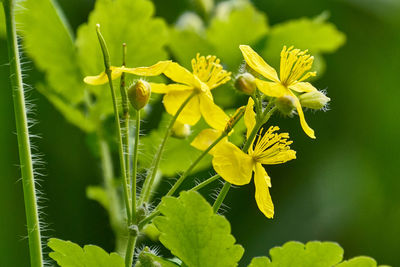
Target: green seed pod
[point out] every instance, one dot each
(139, 94)
(245, 83)
(180, 130)
(285, 104)
(145, 259)
(314, 100)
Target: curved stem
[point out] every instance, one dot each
(191, 167)
(145, 195)
(25, 155)
(117, 124)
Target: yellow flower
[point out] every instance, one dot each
(293, 71)
(116, 72)
(207, 75)
(237, 167)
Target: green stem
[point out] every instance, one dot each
(116, 220)
(260, 122)
(130, 249)
(25, 155)
(125, 114)
(145, 195)
(221, 196)
(117, 123)
(206, 182)
(134, 166)
(191, 167)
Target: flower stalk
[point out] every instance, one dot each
(117, 123)
(148, 183)
(24, 146)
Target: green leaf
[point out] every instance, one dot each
(98, 194)
(361, 261)
(191, 230)
(68, 254)
(312, 254)
(49, 42)
(259, 262)
(316, 35)
(235, 23)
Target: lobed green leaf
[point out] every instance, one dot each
(69, 254)
(191, 230)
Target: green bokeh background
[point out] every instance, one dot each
(343, 187)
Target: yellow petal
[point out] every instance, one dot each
(212, 114)
(281, 157)
(303, 87)
(249, 116)
(190, 113)
(102, 77)
(179, 74)
(307, 129)
(258, 64)
(205, 138)
(272, 89)
(153, 70)
(161, 88)
(263, 198)
(232, 164)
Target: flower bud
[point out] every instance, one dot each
(146, 258)
(180, 130)
(285, 104)
(139, 94)
(314, 100)
(246, 83)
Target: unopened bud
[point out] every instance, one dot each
(285, 104)
(141, 212)
(147, 259)
(139, 94)
(314, 100)
(246, 83)
(234, 119)
(180, 130)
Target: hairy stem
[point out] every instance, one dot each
(25, 154)
(130, 249)
(134, 166)
(117, 124)
(206, 182)
(125, 114)
(146, 192)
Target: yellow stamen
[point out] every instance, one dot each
(210, 71)
(294, 63)
(271, 144)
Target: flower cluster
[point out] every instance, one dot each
(189, 99)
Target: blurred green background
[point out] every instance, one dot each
(343, 187)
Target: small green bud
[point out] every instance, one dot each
(139, 94)
(285, 104)
(246, 83)
(141, 212)
(145, 259)
(180, 130)
(314, 100)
